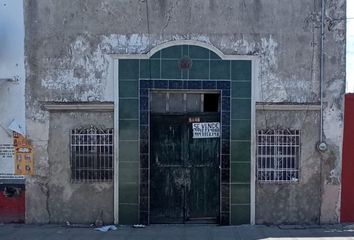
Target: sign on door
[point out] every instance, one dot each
(206, 130)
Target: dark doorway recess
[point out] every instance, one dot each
(184, 175)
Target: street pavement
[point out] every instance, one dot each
(177, 232)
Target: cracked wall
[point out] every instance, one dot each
(68, 48)
(298, 202)
(57, 199)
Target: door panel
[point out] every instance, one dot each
(184, 170)
(167, 189)
(203, 164)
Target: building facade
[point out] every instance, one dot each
(185, 111)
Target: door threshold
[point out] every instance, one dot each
(211, 220)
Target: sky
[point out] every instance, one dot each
(350, 46)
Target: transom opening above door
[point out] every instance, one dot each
(184, 102)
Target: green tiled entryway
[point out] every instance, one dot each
(208, 71)
(240, 141)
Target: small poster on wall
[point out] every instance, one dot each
(206, 130)
(23, 155)
(6, 159)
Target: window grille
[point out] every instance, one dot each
(278, 155)
(91, 154)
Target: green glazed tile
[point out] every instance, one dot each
(170, 69)
(240, 194)
(156, 55)
(220, 69)
(241, 70)
(240, 151)
(240, 130)
(240, 214)
(240, 172)
(172, 52)
(199, 70)
(147, 65)
(128, 69)
(241, 109)
(128, 214)
(214, 55)
(128, 193)
(128, 172)
(128, 88)
(241, 89)
(185, 74)
(128, 109)
(196, 52)
(128, 129)
(185, 51)
(129, 151)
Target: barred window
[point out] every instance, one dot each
(91, 154)
(278, 155)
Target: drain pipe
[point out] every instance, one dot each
(322, 145)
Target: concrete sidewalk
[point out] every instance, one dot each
(171, 232)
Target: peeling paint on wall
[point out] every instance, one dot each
(77, 66)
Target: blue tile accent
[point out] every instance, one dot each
(146, 83)
(225, 132)
(144, 160)
(225, 175)
(225, 146)
(144, 103)
(225, 104)
(225, 161)
(225, 118)
(144, 146)
(144, 117)
(194, 84)
(224, 85)
(209, 84)
(144, 92)
(225, 93)
(160, 84)
(185, 84)
(175, 84)
(144, 132)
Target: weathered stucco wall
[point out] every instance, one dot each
(68, 46)
(67, 201)
(292, 203)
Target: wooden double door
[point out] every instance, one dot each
(184, 171)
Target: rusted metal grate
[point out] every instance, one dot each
(91, 154)
(278, 155)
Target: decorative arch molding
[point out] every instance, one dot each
(172, 43)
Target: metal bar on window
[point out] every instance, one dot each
(91, 157)
(278, 155)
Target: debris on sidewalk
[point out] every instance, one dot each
(106, 228)
(75, 225)
(139, 226)
(99, 220)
